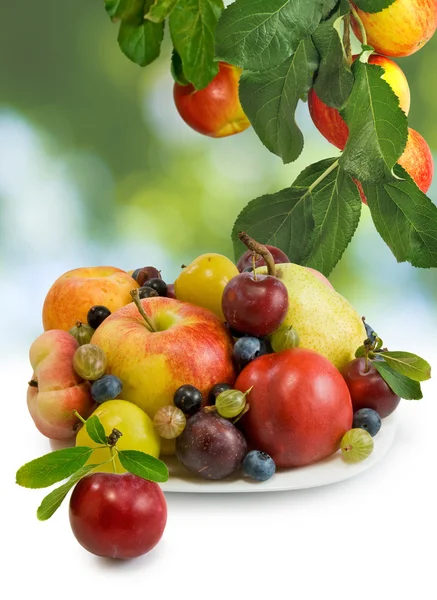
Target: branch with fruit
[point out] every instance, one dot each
(240, 370)
(253, 61)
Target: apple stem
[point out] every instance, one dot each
(360, 24)
(113, 437)
(33, 383)
(76, 414)
(347, 38)
(261, 250)
(136, 298)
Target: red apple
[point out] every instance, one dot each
(328, 120)
(401, 29)
(300, 406)
(216, 110)
(117, 516)
(188, 345)
(368, 389)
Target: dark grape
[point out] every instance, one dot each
(188, 398)
(216, 390)
(147, 292)
(96, 315)
(159, 285)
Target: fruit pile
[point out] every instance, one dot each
(236, 369)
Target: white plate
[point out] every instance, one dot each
(330, 470)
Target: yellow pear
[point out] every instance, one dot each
(325, 321)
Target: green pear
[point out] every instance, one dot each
(325, 321)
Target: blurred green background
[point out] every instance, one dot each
(96, 167)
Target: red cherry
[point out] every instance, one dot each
(246, 261)
(368, 389)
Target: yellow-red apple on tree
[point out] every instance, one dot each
(55, 390)
(75, 292)
(401, 29)
(184, 344)
(328, 120)
(216, 110)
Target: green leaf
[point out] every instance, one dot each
(336, 208)
(402, 386)
(269, 99)
(373, 6)
(124, 9)
(53, 467)
(140, 40)
(177, 70)
(192, 27)
(53, 501)
(408, 364)
(96, 430)
(405, 218)
(378, 128)
(160, 10)
(334, 80)
(143, 465)
(260, 34)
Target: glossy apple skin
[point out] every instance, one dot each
(60, 390)
(255, 306)
(75, 292)
(300, 406)
(401, 29)
(191, 346)
(214, 111)
(328, 120)
(368, 389)
(117, 516)
(246, 261)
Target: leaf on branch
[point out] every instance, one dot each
(139, 39)
(312, 222)
(96, 430)
(402, 386)
(160, 10)
(408, 364)
(142, 464)
(192, 27)
(52, 467)
(334, 79)
(378, 128)
(269, 99)
(373, 6)
(405, 218)
(260, 34)
(124, 9)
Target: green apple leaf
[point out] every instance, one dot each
(378, 128)
(96, 430)
(53, 467)
(373, 6)
(269, 99)
(260, 34)
(334, 80)
(405, 218)
(336, 209)
(139, 39)
(143, 465)
(402, 386)
(408, 364)
(124, 9)
(160, 10)
(53, 501)
(192, 27)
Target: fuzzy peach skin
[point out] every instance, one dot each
(59, 389)
(75, 292)
(190, 346)
(401, 29)
(216, 110)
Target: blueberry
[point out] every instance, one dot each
(96, 315)
(245, 350)
(147, 292)
(135, 273)
(216, 390)
(188, 398)
(107, 387)
(158, 284)
(258, 465)
(368, 419)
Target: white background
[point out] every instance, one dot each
(372, 536)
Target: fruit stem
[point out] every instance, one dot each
(347, 38)
(254, 265)
(33, 383)
(76, 414)
(136, 298)
(360, 24)
(112, 450)
(113, 438)
(261, 250)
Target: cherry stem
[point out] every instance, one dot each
(76, 414)
(136, 298)
(261, 250)
(360, 24)
(347, 38)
